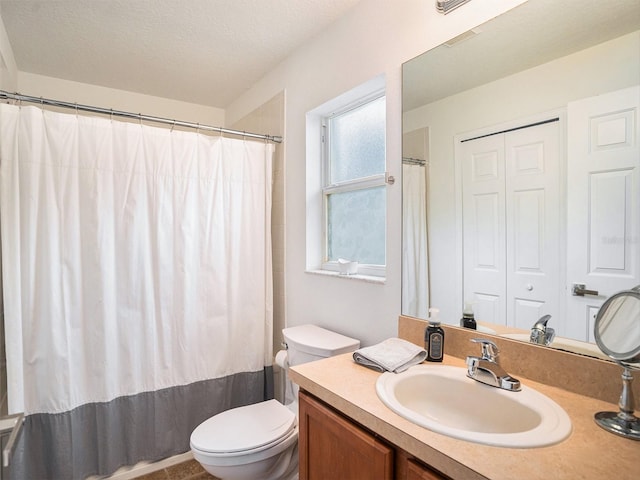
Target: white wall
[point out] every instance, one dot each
(556, 83)
(376, 37)
(95, 95)
(8, 69)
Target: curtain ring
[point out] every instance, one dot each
(173, 125)
(111, 115)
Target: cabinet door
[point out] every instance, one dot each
(330, 446)
(415, 471)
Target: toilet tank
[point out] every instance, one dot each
(306, 343)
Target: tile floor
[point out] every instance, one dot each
(190, 470)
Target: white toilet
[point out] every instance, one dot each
(260, 441)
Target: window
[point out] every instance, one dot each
(353, 187)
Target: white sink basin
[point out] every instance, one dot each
(567, 344)
(443, 399)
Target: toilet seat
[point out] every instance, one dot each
(245, 430)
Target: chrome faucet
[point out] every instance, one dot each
(486, 369)
(540, 333)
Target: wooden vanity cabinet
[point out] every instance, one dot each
(416, 471)
(331, 446)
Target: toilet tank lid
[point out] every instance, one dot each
(318, 341)
(244, 428)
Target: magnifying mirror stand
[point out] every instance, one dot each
(624, 422)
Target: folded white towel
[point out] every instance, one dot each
(394, 354)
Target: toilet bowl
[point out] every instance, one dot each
(255, 441)
(260, 441)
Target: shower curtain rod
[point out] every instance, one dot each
(136, 116)
(414, 161)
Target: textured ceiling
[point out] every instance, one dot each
(535, 32)
(201, 51)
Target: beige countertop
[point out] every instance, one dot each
(589, 453)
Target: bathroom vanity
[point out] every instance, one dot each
(347, 432)
(332, 445)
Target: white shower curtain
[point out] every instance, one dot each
(415, 259)
(137, 281)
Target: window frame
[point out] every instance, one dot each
(361, 183)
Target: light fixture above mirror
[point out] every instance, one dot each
(446, 6)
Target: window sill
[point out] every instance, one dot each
(358, 277)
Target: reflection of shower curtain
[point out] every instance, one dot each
(137, 286)
(415, 261)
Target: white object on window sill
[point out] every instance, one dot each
(347, 267)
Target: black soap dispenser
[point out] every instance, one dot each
(468, 320)
(434, 337)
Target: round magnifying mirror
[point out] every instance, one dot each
(617, 332)
(617, 327)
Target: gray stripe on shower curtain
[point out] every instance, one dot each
(148, 426)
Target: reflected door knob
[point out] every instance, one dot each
(580, 290)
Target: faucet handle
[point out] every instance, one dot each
(540, 333)
(489, 349)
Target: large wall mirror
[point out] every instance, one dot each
(521, 169)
